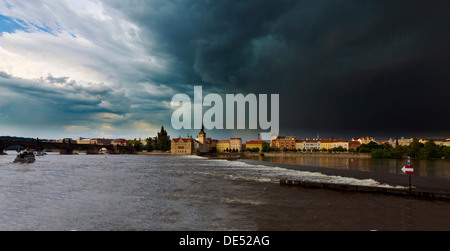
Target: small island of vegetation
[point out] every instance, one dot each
(416, 150)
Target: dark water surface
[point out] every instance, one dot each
(426, 168)
(120, 192)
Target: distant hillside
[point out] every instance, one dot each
(19, 139)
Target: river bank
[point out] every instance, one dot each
(155, 153)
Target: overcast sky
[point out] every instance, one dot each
(93, 68)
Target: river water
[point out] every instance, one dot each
(427, 168)
(136, 192)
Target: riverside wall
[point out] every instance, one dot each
(300, 154)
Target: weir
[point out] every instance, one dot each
(405, 192)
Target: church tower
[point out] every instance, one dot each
(202, 135)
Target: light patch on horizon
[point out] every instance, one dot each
(109, 116)
(107, 127)
(144, 126)
(76, 128)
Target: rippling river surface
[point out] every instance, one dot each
(135, 192)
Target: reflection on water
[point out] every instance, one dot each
(191, 193)
(430, 168)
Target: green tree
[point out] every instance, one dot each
(339, 149)
(162, 141)
(150, 144)
(399, 151)
(368, 148)
(445, 152)
(414, 148)
(265, 147)
(431, 150)
(136, 144)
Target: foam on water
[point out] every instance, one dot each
(192, 157)
(261, 173)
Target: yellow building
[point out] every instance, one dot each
(326, 144)
(182, 146)
(330, 144)
(299, 145)
(84, 141)
(223, 146)
(341, 143)
(254, 144)
(443, 142)
(236, 144)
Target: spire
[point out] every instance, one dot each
(202, 132)
(202, 135)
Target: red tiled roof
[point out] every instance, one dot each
(255, 142)
(307, 140)
(121, 141)
(332, 140)
(182, 139)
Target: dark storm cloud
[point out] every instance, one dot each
(341, 67)
(208, 40)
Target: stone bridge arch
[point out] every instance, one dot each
(14, 148)
(67, 147)
(14, 145)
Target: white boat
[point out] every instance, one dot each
(25, 157)
(40, 154)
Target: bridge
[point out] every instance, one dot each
(66, 147)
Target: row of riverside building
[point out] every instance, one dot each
(188, 146)
(97, 141)
(290, 142)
